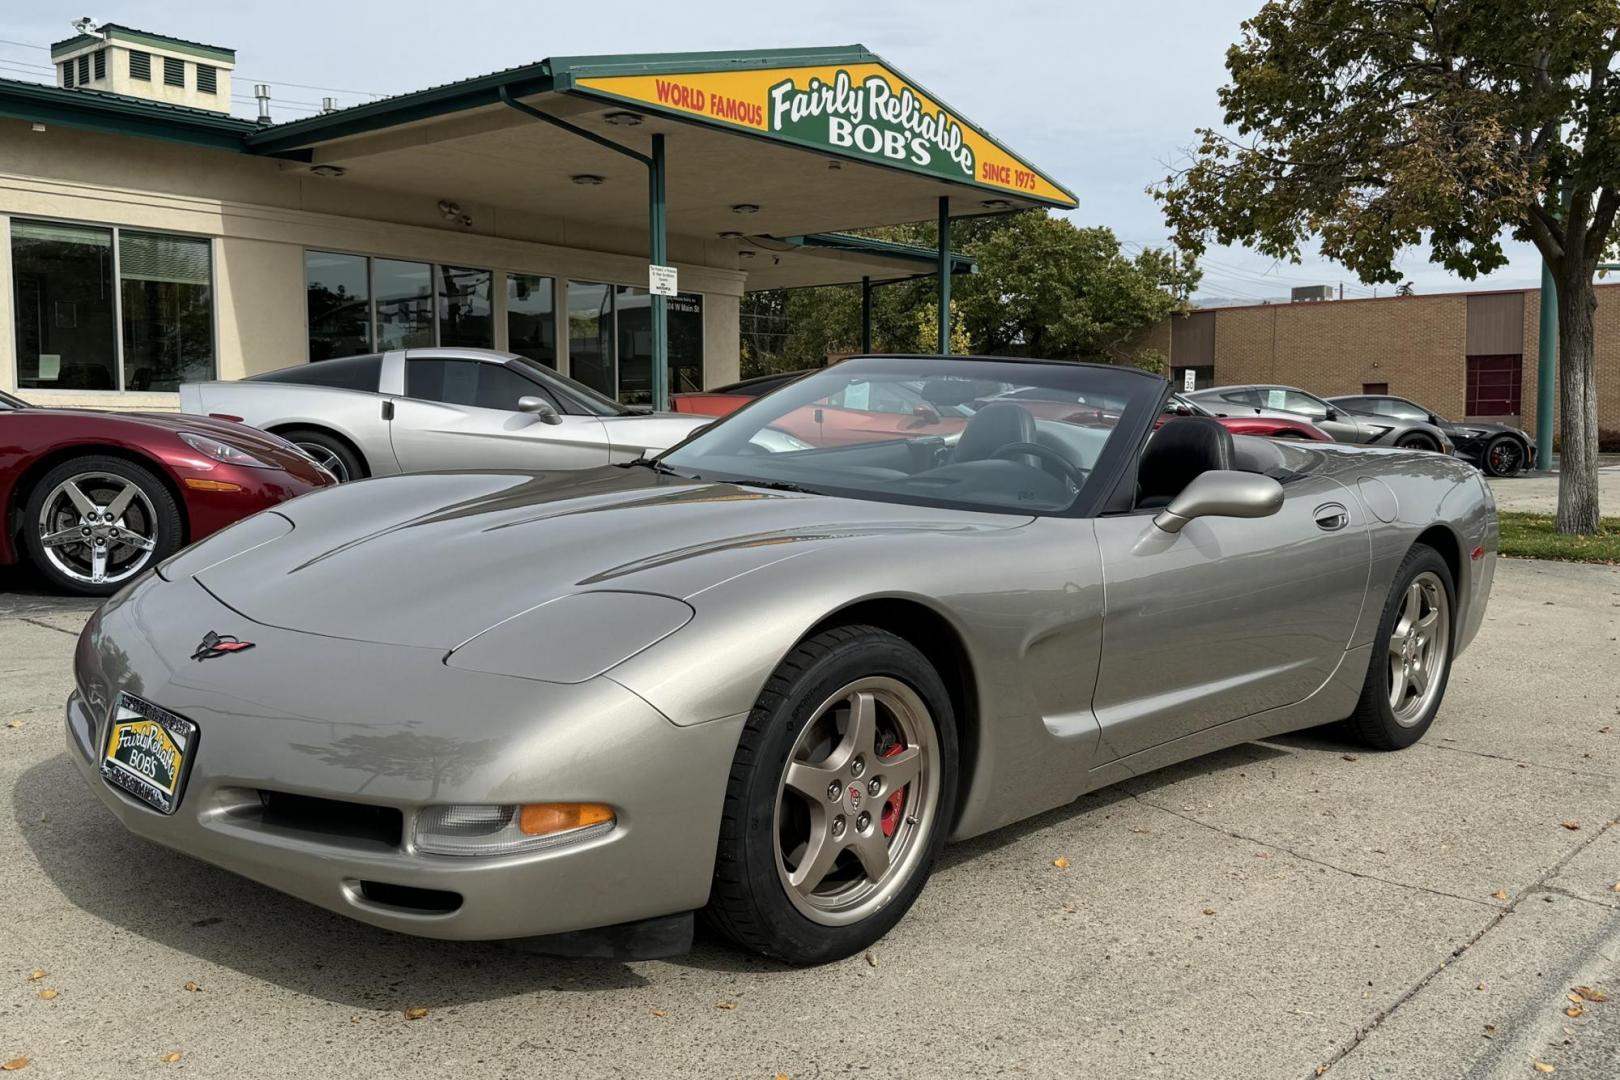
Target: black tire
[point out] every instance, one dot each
(334, 453)
(1417, 442)
(165, 530)
(749, 902)
(1503, 456)
(1374, 722)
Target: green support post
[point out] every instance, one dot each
(1546, 368)
(944, 275)
(866, 314)
(656, 198)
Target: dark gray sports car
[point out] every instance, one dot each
(766, 678)
(1497, 448)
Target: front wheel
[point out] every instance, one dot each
(839, 798)
(93, 523)
(1504, 456)
(1417, 442)
(1411, 659)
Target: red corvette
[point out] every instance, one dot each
(93, 498)
(1271, 427)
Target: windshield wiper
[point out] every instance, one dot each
(656, 466)
(776, 485)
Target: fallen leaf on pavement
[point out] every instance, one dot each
(871, 959)
(1490, 1031)
(1352, 757)
(14, 724)
(1499, 894)
(1542, 1066)
(1576, 998)
(1320, 1069)
(48, 995)
(14, 1064)
(171, 1056)
(1605, 729)
(415, 1012)
(725, 1004)
(39, 973)
(1617, 886)
(193, 987)
(1061, 863)
(1591, 993)
(1573, 1011)
(1209, 911)
(660, 1012)
(1571, 825)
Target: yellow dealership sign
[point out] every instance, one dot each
(865, 111)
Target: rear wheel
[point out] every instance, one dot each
(839, 799)
(1504, 456)
(1417, 442)
(1411, 660)
(331, 452)
(93, 523)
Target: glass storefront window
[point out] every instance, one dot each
(590, 335)
(531, 322)
(63, 296)
(166, 286)
(684, 319)
(465, 312)
(339, 296)
(404, 304)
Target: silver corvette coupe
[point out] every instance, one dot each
(418, 410)
(766, 679)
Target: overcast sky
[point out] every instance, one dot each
(1101, 95)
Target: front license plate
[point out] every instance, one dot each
(147, 752)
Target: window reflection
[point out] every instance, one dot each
(531, 322)
(64, 303)
(404, 292)
(465, 312)
(590, 335)
(339, 297)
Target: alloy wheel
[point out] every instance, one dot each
(857, 801)
(1505, 457)
(326, 459)
(1419, 648)
(98, 528)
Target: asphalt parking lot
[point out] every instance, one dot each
(1266, 912)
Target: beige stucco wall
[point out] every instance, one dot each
(263, 216)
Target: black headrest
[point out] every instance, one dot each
(1180, 450)
(992, 427)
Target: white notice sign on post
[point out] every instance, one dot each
(1189, 380)
(661, 280)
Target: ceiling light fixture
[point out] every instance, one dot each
(745, 254)
(327, 170)
(731, 234)
(586, 179)
(745, 208)
(624, 118)
(996, 204)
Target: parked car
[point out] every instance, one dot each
(91, 499)
(727, 399)
(766, 683)
(1268, 425)
(1343, 425)
(1497, 448)
(418, 410)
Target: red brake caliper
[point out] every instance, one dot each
(891, 808)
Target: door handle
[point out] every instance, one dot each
(388, 410)
(1331, 517)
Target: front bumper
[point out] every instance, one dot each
(219, 495)
(384, 726)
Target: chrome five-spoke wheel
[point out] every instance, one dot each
(326, 458)
(1419, 645)
(857, 800)
(97, 528)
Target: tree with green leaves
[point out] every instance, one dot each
(1381, 125)
(1044, 288)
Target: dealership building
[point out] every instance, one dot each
(593, 213)
(1466, 355)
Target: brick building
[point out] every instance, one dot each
(1465, 355)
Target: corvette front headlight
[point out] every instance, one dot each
(471, 829)
(222, 452)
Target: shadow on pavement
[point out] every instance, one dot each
(218, 917)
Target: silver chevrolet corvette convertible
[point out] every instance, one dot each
(765, 676)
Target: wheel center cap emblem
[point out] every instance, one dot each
(854, 796)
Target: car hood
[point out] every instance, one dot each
(272, 449)
(432, 559)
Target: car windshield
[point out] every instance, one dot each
(7, 402)
(984, 434)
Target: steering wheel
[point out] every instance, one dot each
(1074, 475)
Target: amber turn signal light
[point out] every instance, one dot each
(542, 819)
(197, 483)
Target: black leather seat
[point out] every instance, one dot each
(992, 427)
(1178, 452)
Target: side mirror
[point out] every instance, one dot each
(1222, 493)
(1331, 414)
(540, 408)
